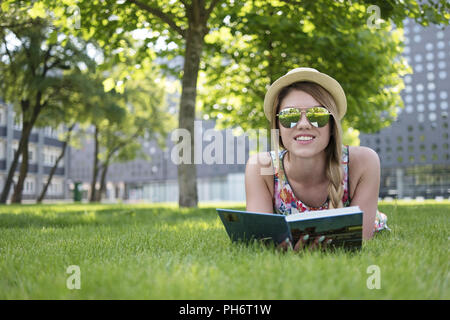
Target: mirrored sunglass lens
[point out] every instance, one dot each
(318, 117)
(289, 117)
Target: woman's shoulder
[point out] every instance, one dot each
(260, 160)
(259, 174)
(363, 158)
(360, 152)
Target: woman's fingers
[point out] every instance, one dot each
(326, 243)
(301, 242)
(320, 242)
(285, 245)
(317, 243)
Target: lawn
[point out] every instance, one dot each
(162, 252)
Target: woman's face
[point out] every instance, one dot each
(303, 139)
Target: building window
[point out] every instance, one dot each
(419, 97)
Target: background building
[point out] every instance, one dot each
(414, 151)
(156, 180)
(44, 149)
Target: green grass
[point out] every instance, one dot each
(162, 252)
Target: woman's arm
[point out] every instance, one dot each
(257, 177)
(364, 171)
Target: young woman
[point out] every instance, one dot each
(313, 170)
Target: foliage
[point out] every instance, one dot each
(251, 51)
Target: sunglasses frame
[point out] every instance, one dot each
(306, 114)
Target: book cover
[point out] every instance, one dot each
(343, 226)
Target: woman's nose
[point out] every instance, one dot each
(303, 123)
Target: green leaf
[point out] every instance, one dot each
(5, 6)
(37, 11)
(109, 84)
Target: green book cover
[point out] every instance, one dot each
(343, 226)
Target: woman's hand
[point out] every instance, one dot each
(319, 243)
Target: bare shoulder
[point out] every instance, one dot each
(364, 165)
(260, 160)
(259, 182)
(260, 168)
(362, 157)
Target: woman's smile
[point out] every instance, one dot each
(304, 138)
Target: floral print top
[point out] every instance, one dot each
(285, 202)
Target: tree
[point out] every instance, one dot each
(66, 142)
(183, 26)
(36, 65)
(271, 38)
(126, 120)
(70, 112)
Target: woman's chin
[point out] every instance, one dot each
(304, 150)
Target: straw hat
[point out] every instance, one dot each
(310, 75)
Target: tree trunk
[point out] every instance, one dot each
(103, 180)
(12, 169)
(187, 173)
(17, 195)
(95, 170)
(27, 126)
(55, 166)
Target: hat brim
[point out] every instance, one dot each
(325, 81)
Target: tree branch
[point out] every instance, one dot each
(160, 14)
(211, 8)
(10, 26)
(196, 7)
(7, 50)
(46, 57)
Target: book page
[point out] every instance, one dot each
(323, 213)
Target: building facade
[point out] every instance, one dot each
(44, 149)
(414, 151)
(156, 179)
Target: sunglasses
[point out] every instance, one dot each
(317, 116)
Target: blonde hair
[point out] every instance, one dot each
(333, 150)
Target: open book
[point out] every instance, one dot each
(343, 226)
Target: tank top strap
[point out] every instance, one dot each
(277, 164)
(345, 181)
(278, 177)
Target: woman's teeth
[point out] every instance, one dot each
(304, 138)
